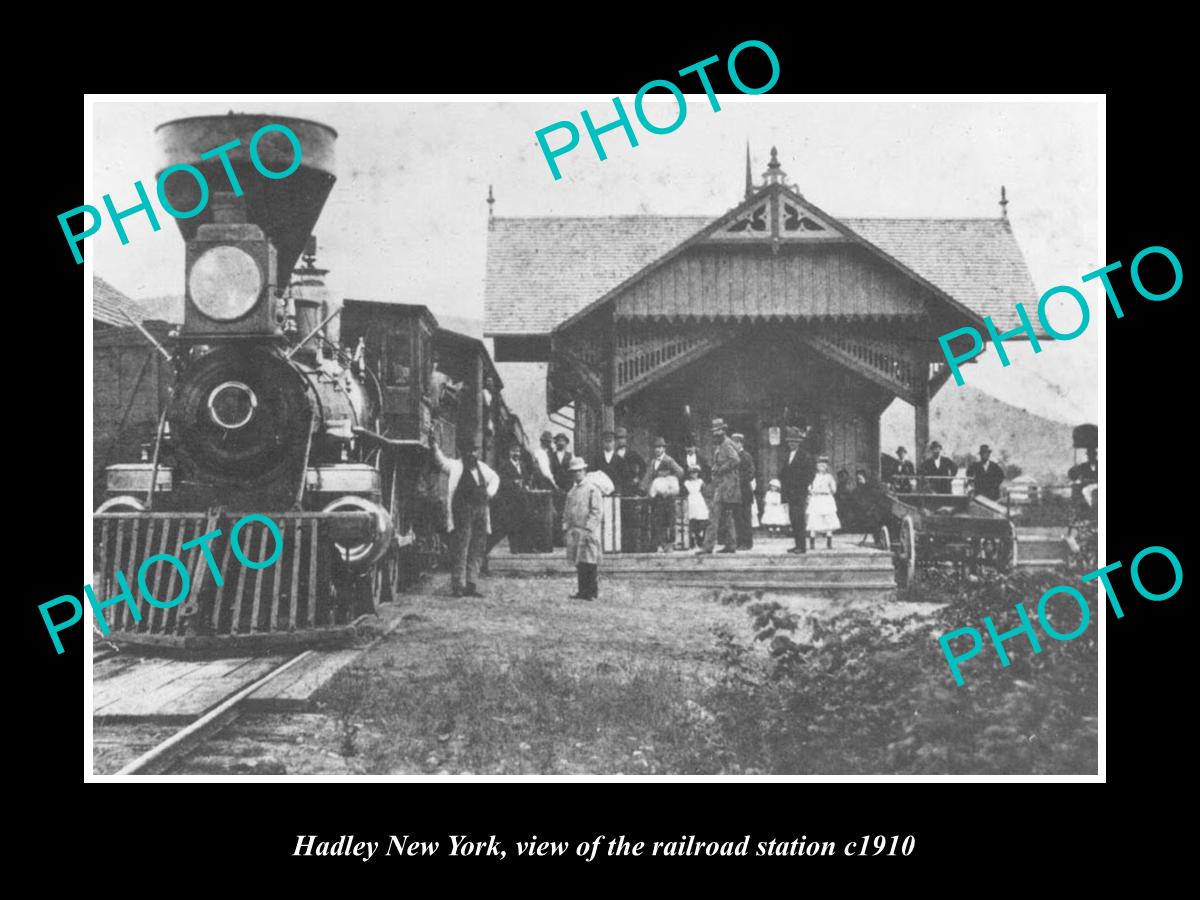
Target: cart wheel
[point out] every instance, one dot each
(908, 551)
(883, 539)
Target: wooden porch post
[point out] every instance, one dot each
(608, 421)
(922, 416)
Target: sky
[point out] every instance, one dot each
(407, 219)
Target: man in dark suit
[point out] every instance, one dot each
(987, 474)
(635, 466)
(560, 463)
(938, 470)
(903, 466)
(611, 464)
(508, 506)
(745, 477)
(795, 477)
(691, 456)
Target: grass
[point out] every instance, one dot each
(527, 681)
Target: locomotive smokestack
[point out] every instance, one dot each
(284, 206)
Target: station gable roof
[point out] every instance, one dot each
(543, 272)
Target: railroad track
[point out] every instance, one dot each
(169, 751)
(160, 758)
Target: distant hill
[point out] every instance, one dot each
(962, 418)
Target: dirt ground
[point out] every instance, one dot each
(527, 681)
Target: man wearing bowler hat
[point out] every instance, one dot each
(560, 461)
(795, 477)
(581, 524)
(938, 470)
(611, 464)
(635, 466)
(726, 490)
(987, 474)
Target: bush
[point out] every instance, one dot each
(863, 694)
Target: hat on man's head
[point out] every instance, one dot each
(935, 446)
(561, 436)
(792, 433)
(692, 469)
(621, 432)
(659, 442)
(983, 447)
(775, 483)
(547, 436)
(900, 450)
(738, 436)
(576, 463)
(607, 432)
(718, 424)
(823, 458)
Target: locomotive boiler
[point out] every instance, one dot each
(276, 408)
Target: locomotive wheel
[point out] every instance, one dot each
(908, 551)
(366, 592)
(883, 539)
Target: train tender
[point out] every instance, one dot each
(279, 408)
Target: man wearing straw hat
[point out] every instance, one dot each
(726, 490)
(581, 522)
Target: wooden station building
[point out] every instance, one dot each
(772, 314)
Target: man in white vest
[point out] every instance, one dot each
(468, 519)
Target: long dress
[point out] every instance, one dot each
(775, 511)
(697, 508)
(822, 508)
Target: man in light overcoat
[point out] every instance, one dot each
(581, 522)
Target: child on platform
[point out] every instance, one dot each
(822, 507)
(697, 508)
(775, 511)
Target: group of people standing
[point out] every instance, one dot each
(485, 506)
(937, 473)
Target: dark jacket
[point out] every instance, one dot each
(746, 472)
(615, 469)
(987, 482)
(701, 461)
(635, 471)
(795, 477)
(943, 466)
(726, 465)
(561, 470)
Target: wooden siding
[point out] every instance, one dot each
(813, 281)
(131, 386)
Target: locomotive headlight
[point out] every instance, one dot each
(225, 283)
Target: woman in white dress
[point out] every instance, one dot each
(822, 508)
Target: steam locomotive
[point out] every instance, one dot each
(281, 406)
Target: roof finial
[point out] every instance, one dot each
(491, 202)
(774, 173)
(1003, 202)
(749, 180)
